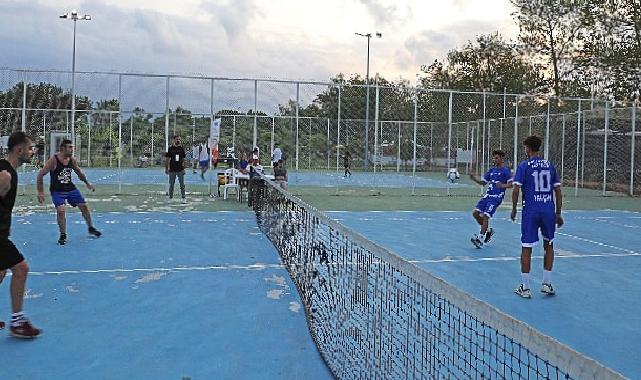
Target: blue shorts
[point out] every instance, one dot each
(488, 205)
(203, 163)
(73, 197)
(533, 221)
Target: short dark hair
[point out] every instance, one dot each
(498, 152)
(533, 142)
(65, 142)
(17, 138)
(176, 137)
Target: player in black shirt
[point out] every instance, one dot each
(63, 190)
(175, 167)
(20, 151)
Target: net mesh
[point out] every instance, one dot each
(374, 315)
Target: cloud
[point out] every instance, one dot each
(385, 13)
(424, 47)
(233, 15)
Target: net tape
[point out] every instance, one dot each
(374, 315)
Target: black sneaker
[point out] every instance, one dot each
(488, 235)
(94, 232)
(63, 239)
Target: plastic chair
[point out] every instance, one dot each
(230, 182)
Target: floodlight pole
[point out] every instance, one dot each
(74, 17)
(369, 37)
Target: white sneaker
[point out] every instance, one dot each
(522, 292)
(476, 240)
(547, 289)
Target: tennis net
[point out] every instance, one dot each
(373, 315)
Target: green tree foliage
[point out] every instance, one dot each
(611, 55)
(552, 31)
(488, 64)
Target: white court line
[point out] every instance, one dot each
(175, 269)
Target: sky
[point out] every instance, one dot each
(275, 39)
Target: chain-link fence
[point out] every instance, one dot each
(125, 122)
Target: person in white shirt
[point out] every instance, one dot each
(203, 159)
(277, 155)
(195, 156)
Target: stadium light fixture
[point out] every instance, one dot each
(74, 17)
(369, 37)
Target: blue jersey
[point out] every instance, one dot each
(537, 178)
(495, 176)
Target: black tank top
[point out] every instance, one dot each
(7, 202)
(61, 177)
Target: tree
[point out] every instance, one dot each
(552, 30)
(612, 49)
(488, 64)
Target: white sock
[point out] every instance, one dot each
(525, 280)
(16, 317)
(547, 274)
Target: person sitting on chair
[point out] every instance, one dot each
(280, 175)
(243, 164)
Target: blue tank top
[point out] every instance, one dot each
(61, 177)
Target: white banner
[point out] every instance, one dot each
(214, 137)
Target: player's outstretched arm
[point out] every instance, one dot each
(46, 168)
(480, 182)
(81, 174)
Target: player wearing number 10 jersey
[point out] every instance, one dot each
(542, 204)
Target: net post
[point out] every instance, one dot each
(210, 186)
(606, 127)
(632, 147)
(167, 114)
(24, 102)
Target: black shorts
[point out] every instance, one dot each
(9, 254)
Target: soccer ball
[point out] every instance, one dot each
(453, 175)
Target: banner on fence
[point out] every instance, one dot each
(214, 137)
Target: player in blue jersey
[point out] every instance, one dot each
(498, 178)
(542, 204)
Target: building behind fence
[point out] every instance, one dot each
(121, 118)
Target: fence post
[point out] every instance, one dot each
(516, 131)
(328, 144)
(483, 152)
(449, 137)
(376, 127)
(297, 106)
(119, 151)
(562, 145)
(167, 114)
(398, 150)
(605, 144)
(131, 140)
(546, 151)
(255, 138)
(632, 148)
(338, 131)
(272, 137)
(579, 116)
(24, 102)
(89, 144)
(414, 143)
